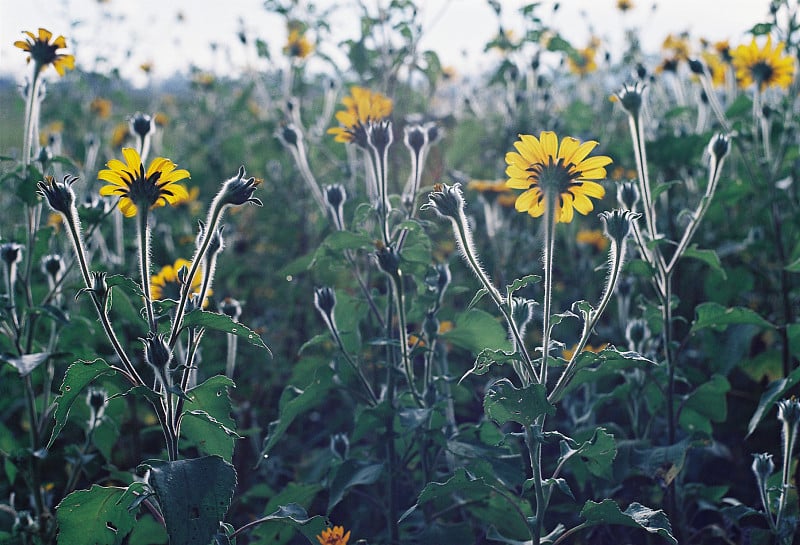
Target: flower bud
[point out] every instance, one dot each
(446, 200)
(11, 253)
(325, 300)
(238, 190)
(335, 197)
(628, 194)
(697, 67)
(415, 137)
(59, 195)
(762, 467)
(380, 136)
(388, 260)
(719, 147)
(231, 307)
(789, 411)
(631, 96)
(618, 224)
(141, 125)
(158, 355)
(340, 446)
(99, 284)
(53, 266)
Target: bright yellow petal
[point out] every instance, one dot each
(111, 176)
(549, 142)
(528, 199)
(593, 162)
(132, 158)
(581, 202)
(581, 152)
(108, 190)
(127, 207)
(174, 176)
(518, 183)
(535, 146)
(591, 189)
(566, 209)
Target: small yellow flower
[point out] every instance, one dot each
(592, 237)
(334, 536)
(101, 107)
(146, 67)
(716, 67)
(415, 341)
(552, 175)
(765, 67)
(160, 119)
(139, 188)
(43, 52)
(567, 353)
(582, 62)
(165, 284)
(677, 47)
(297, 46)
(362, 107)
(119, 135)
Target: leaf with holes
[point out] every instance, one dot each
(98, 516)
(221, 322)
(503, 403)
(636, 516)
(194, 496)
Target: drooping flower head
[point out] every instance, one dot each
(137, 187)
(765, 67)
(555, 175)
(362, 108)
(582, 61)
(334, 536)
(44, 52)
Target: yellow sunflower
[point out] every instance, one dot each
(716, 67)
(765, 67)
(297, 46)
(624, 5)
(43, 52)
(139, 188)
(582, 62)
(362, 107)
(552, 175)
(165, 284)
(334, 536)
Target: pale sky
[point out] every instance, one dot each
(150, 33)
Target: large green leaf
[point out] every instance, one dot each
(212, 397)
(468, 487)
(296, 517)
(505, 403)
(78, 376)
(206, 420)
(222, 322)
(717, 317)
(351, 473)
(487, 358)
(636, 516)
(705, 405)
(194, 496)
(295, 402)
(597, 454)
(98, 516)
(476, 330)
(592, 366)
(771, 395)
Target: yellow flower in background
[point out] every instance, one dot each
(677, 47)
(624, 5)
(120, 133)
(582, 62)
(334, 536)
(716, 68)
(567, 353)
(157, 186)
(43, 52)
(592, 237)
(764, 67)
(166, 285)
(361, 108)
(101, 107)
(297, 46)
(552, 175)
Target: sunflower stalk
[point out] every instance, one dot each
(143, 243)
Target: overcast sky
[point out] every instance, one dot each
(127, 33)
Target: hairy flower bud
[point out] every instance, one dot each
(446, 200)
(141, 124)
(59, 195)
(238, 190)
(618, 225)
(631, 97)
(11, 253)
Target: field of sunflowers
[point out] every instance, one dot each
(552, 302)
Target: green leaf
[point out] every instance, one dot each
(705, 405)
(98, 516)
(78, 376)
(661, 463)
(296, 517)
(208, 434)
(128, 284)
(505, 403)
(221, 322)
(761, 29)
(476, 330)
(487, 358)
(26, 363)
(709, 257)
(148, 532)
(592, 367)
(477, 297)
(794, 266)
(348, 240)
(520, 283)
(773, 393)
(597, 454)
(463, 483)
(295, 402)
(212, 397)
(351, 473)
(636, 516)
(719, 318)
(194, 496)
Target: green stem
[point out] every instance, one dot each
(408, 368)
(547, 302)
(535, 452)
(30, 119)
(144, 266)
